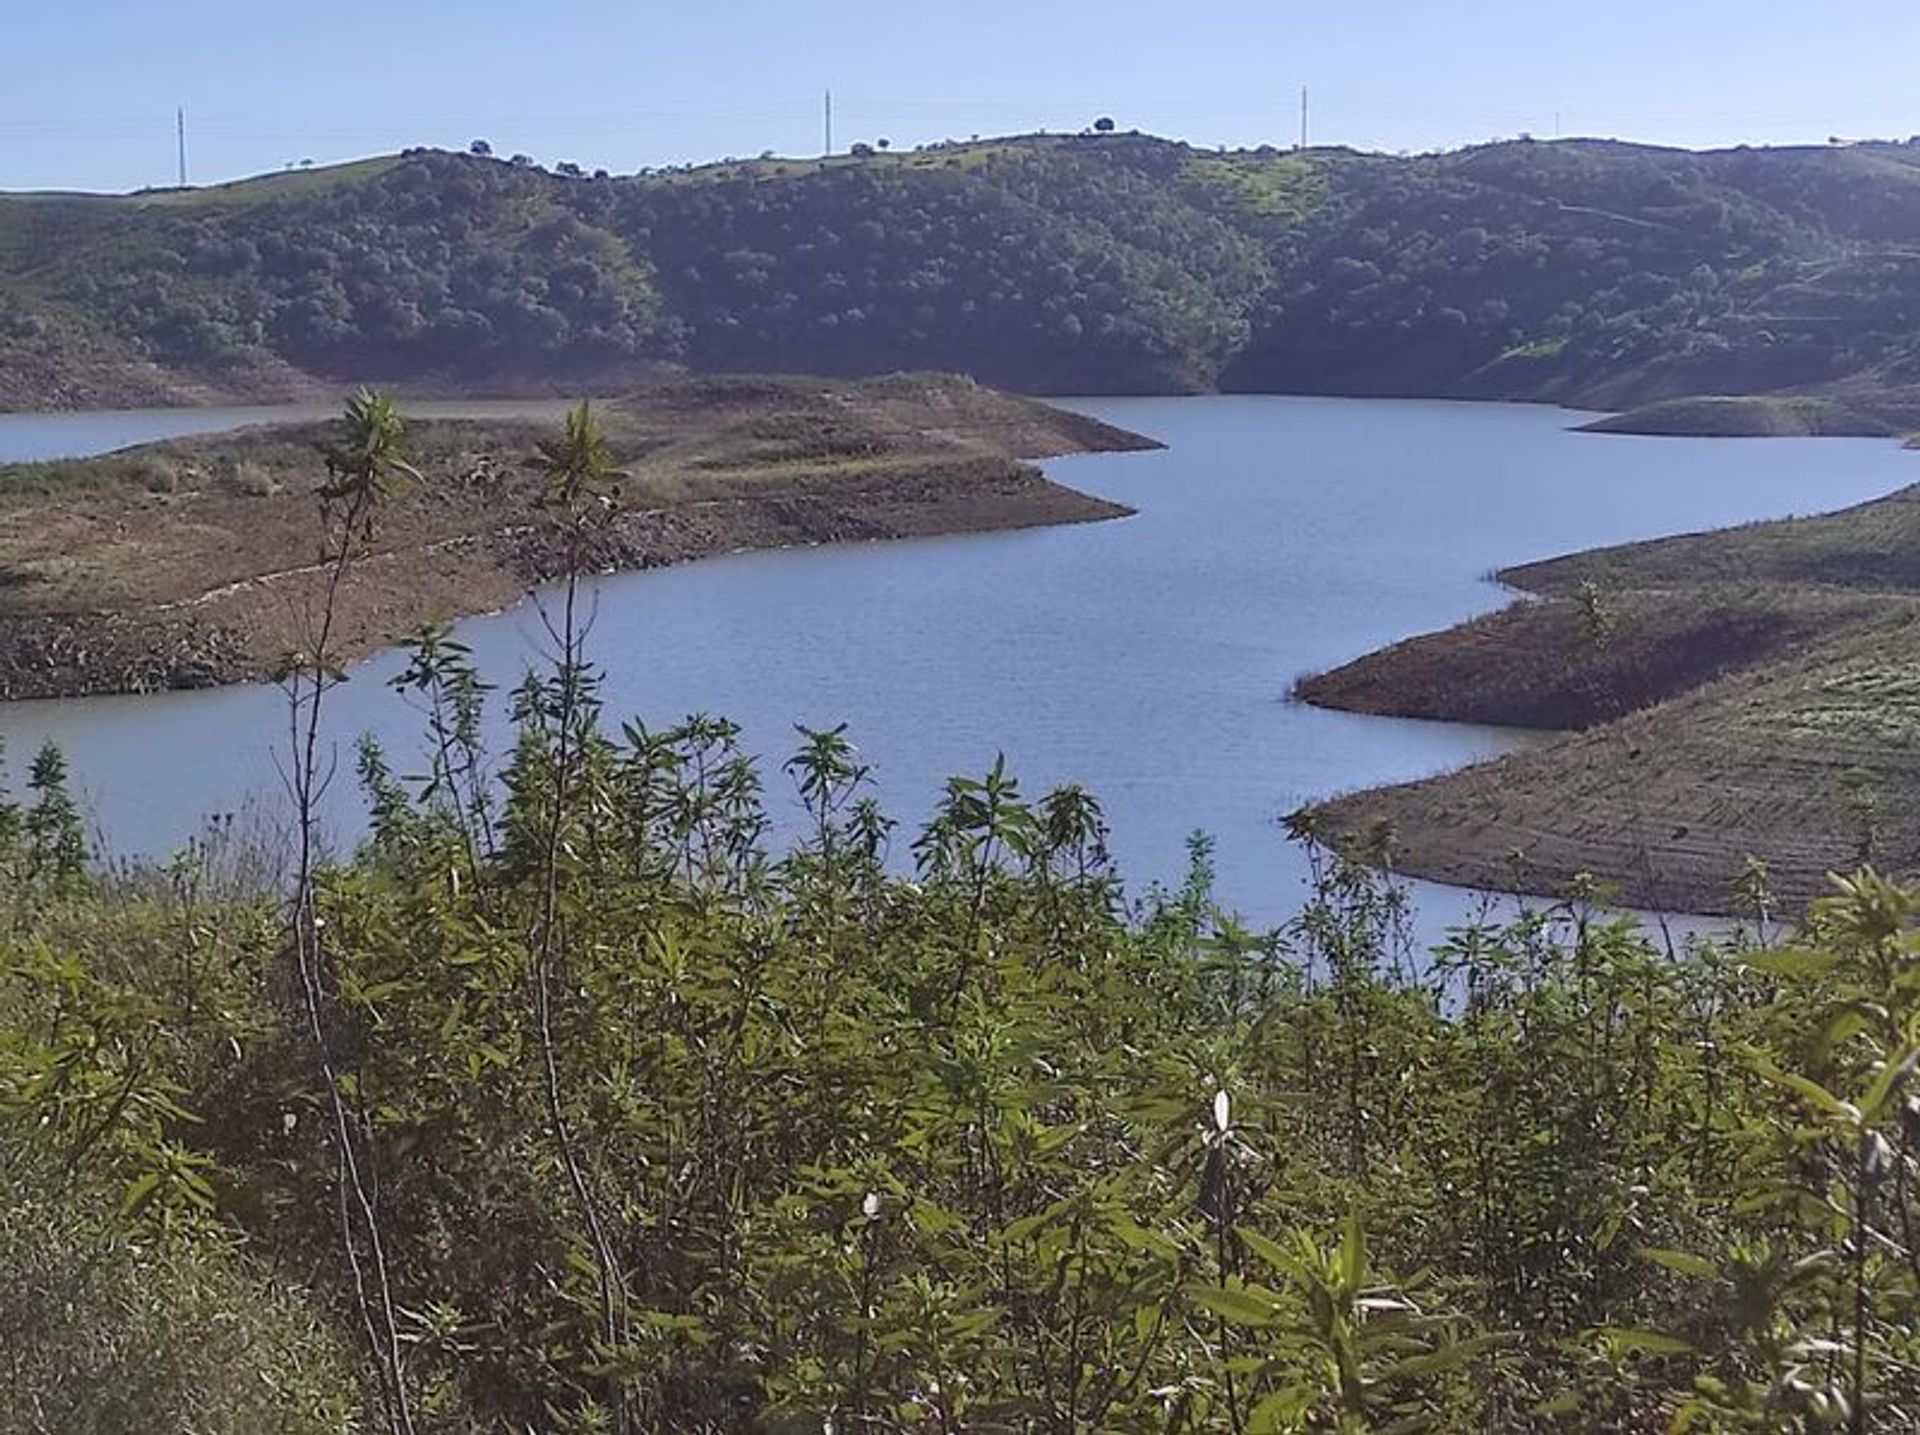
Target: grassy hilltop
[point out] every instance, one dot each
(1587, 272)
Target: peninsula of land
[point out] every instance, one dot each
(198, 562)
(1748, 695)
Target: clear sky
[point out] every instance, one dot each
(88, 88)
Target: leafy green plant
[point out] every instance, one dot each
(1337, 1347)
(579, 1104)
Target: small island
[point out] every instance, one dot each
(1758, 416)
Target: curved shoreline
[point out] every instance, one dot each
(1746, 416)
(214, 581)
(1748, 694)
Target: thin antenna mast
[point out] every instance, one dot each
(829, 121)
(180, 134)
(1303, 117)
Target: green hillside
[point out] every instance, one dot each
(1582, 271)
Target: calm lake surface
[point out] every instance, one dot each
(1149, 658)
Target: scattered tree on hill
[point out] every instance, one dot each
(1598, 619)
(1515, 269)
(480, 148)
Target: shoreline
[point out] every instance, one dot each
(231, 631)
(1748, 696)
(210, 595)
(1777, 414)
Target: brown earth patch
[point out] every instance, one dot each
(197, 562)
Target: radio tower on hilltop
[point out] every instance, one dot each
(180, 135)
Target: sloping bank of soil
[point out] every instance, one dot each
(1747, 694)
(1748, 416)
(197, 562)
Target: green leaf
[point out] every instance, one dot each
(1448, 1357)
(494, 1055)
(1681, 1261)
(1265, 1247)
(1243, 1305)
(1846, 1022)
(139, 1193)
(1646, 1342)
(1353, 1251)
(1887, 1082)
(1812, 1090)
(1283, 1410)
(1145, 1317)
(1793, 963)
(972, 1322)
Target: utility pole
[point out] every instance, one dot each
(180, 134)
(1303, 118)
(829, 121)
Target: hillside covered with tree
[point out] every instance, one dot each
(1582, 271)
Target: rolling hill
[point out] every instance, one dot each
(1585, 272)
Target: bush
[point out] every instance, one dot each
(157, 475)
(105, 1332)
(248, 479)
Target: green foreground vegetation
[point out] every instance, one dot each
(1586, 272)
(566, 1104)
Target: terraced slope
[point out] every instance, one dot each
(1751, 693)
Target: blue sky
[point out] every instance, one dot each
(90, 85)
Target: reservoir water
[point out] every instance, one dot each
(1148, 658)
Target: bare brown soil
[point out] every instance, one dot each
(199, 562)
(1747, 694)
(1748, 416)
(1547, 663)
(1809, 765)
